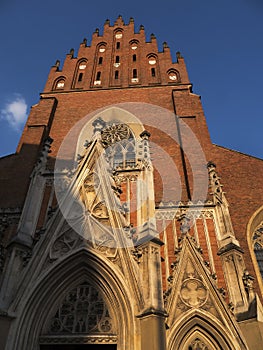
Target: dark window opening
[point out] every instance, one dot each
(259, 256)
(118, 45)
(116, 74)
(134, 58)
(153, 72)
(80, 77)
(98, 76)
(117, 59)
(134, 73)
(100, 60)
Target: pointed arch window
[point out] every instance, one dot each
(258, 247)
(83, 310)
(79, 75)
(120, 146)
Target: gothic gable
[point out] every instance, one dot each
(193, 294)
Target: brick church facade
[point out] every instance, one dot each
(122, 226)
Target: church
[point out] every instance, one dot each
(122, 226)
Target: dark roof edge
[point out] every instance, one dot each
(232, 150)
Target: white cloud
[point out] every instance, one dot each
(15, 112)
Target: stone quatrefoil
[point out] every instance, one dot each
(193, 293)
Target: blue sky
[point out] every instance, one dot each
(221, 41)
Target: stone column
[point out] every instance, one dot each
(153, 330)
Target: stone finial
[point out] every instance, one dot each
(119, 20)
(84, 41)
(178, 54)
(165, 45)
(141, 27)
(57, 64)
(211, 165)
(145, 135)
(71, 52)
(153, 36)
(131, 20)
(107, 22)
(43, 156)
(97, 31)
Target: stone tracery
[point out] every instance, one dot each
(83, 310)
(258, 246)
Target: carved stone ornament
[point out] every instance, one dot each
(215, 184)
(193, 293)
(65, 243)
(86, 339)
(115, 133)
(258, 237)
(83, 310)
(90, 196)
(198, 344)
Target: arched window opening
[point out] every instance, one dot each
(102, 47)
(116, 74)
(82, 66)
(118, 34)
(134, 73)
(59, 85)
(152, 60)
(117, 59)
(153, 73)
(134, 58)
(117, 156)
(258, 247)
(173, 76)
(100, 60)
(120, 146)
(130, 153)
(118, 45)
(80, 73)
(134, 44)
